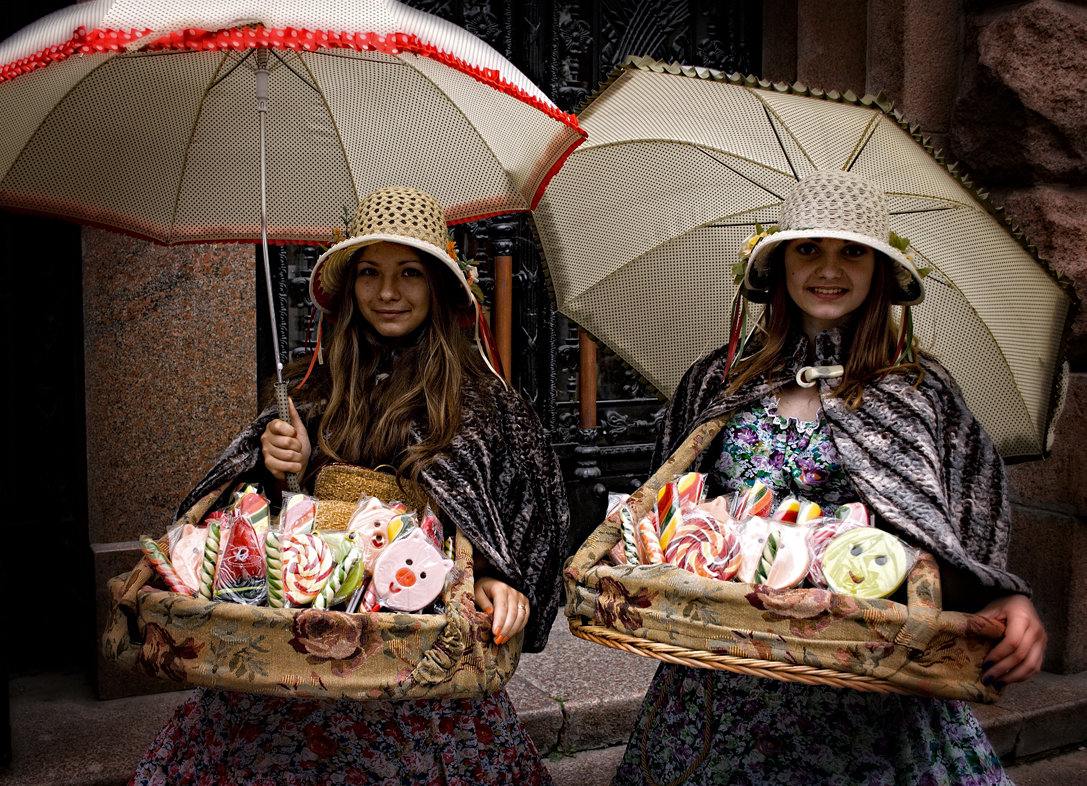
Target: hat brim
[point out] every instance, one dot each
(328, 278)
(760, 260)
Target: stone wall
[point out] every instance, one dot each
(170, 371)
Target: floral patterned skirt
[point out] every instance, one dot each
(221, 738)
(702, 726)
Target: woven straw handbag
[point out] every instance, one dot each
(799, 635)
(308, 652)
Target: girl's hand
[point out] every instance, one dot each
(1018, 656)
(286, 446)
(510, 607)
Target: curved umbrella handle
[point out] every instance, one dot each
(283, 404)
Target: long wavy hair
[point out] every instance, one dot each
(377, 394)
(872, 349)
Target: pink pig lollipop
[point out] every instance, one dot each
(410, 573)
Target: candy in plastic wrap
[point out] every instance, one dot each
(668, 515)
(298, 514)
(410, 573)
(187, 553)
(241, 575)
(377, 524)
(866, 562)
(690, 488)
(784, 563)
(849, 516)
(307, 566)
(704, 545)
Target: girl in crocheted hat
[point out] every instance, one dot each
(831, 402)
(402, 386)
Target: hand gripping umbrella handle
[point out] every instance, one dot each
(283, 404)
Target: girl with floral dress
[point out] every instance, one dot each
(833, 405)
(401, 387)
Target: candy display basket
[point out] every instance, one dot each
(800, 635)
(309, 652)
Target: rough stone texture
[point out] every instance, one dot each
(1049, 550)
(779, 41)
(541, 713)
(1057, 483)
(570, 669)
(1054, 219)
(170, 373)
(1019, 114)
(170, 367)
(922, 87)
(831, 43)
(1049, 536)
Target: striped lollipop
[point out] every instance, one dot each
(307, 566)
(161, 563)
(647, 534)
(704, 545)
(668, 515)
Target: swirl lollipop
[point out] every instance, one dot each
(307, 566)
(704, 545)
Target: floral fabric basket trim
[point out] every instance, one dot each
(309, 652)
(806, 635)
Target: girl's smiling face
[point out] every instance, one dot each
(391, 288)
(828, 279)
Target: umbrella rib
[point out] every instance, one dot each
(230, 71)
(188, 146)
(741, 174)
(771, 115)
(862, 143)
(335, 126)
(310, 83)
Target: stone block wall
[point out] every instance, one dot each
(170, 372)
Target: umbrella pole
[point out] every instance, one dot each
(282, 400)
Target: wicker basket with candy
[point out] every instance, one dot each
(350, 593)
(783, 591)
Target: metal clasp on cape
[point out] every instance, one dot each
(807, 376)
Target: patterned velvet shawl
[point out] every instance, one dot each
(499, 482)
(916, 455)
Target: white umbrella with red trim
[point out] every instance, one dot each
(141, 116)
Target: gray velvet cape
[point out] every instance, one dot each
(916, 455)
(499, 482)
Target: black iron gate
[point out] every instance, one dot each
(567, 48)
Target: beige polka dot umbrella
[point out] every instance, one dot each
(142, 116)
(642, 227)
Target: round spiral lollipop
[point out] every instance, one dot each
(706, 546)
(307, 566)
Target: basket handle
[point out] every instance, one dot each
(607, 534)
(643, 500)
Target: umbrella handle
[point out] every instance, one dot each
(283, 404)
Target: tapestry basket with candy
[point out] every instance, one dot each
(351, 593)
(777, 589)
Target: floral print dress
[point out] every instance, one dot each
(222, 738)
(703, 726)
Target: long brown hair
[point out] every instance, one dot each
(369, 421)
(872, 349)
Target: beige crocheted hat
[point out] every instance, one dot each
(836, 204)
(397, 215)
